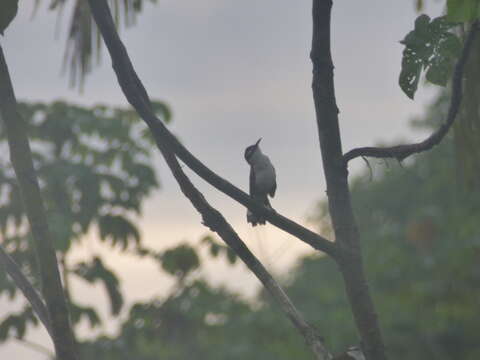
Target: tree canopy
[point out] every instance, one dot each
(421, 246)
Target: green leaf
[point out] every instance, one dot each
(8, 11)
(215, 249)
(118, 229)
(430, 47)
(79, 312)
(231, 256)
(95, 271)
(421, 24)
(61, 226)
(462, 10)
(162, 110)
(17, 322)
(419, 5)
(410, 74)
(180, 260)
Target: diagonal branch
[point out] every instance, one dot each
(138, 98)
(214, 220)
(33, 297)
(400, 152)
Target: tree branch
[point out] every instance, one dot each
(36, 347)
(400, 152)
(138, 98)
(21, 158)
(347, 236)
(214, 220)
(14, 271)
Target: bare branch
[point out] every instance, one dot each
(400, 152)
(35, 347)
(138, 98)
(214, 220)
(21, 158)
(14, 271)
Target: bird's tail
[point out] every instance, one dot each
(255, 219)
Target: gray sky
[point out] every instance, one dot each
(232, 71)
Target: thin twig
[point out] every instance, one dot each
(33, 297)
(400, 152)
(36, 347)
(369, 167)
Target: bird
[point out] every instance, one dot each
(263, 180)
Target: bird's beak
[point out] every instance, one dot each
(258, 142)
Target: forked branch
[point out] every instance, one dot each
(400, 152)
(212, 218)
(137, 96)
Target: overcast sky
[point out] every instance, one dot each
(232, 71)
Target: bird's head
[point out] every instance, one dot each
(249, 151)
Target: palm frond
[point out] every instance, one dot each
(83, 45)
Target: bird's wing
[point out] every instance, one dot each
(252, 182)
(273, 189)
(274, 186)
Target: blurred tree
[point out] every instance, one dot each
(430, 47)
(95, 170)
(421, 245)
(433, 46)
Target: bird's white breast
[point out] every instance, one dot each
(264, 173)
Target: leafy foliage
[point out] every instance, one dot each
(84, 43)
(217, 249)
(425, 267)
(17, 323)
(419, 5)
(94, 168)
(118, 229)
(421, 245)
(463, 10)
(78, 312)
(430, 47)
(196, 323)
(94, 271)
(180, 260)
(467, 125)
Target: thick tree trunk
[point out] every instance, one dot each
(22, 162)
(336, 174)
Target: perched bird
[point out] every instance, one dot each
(263, 180)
